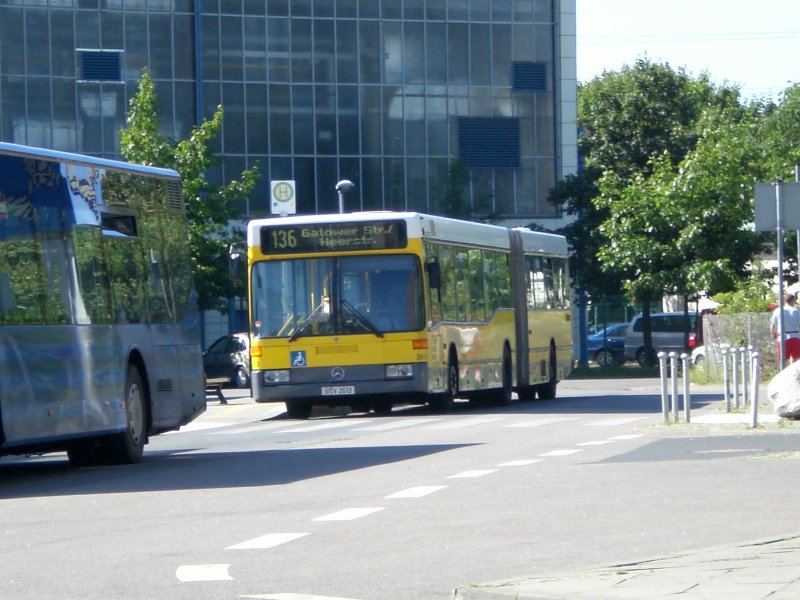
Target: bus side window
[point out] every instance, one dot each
(477, 297)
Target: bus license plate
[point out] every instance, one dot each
(338, 390)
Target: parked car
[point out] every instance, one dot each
(229, 358)
(607, 346)
(668, 332)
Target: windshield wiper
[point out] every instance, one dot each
(308, 320)
(362, 319)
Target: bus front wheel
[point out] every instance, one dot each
(444, 402)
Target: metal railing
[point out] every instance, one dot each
(742, 365)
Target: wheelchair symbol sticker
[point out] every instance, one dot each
(298, 358)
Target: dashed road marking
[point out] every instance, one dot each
(349, 514)
(321, 426)
(520, 463)
(628, 436)
(267, 541)
(467, 422)
(596, 443)
(541, 422)
(187, 573)
(566, 452)
(396, 424)
(417, 492)
(475, 473)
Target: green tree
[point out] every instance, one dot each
(208, 207)
(677, 160)
(575, 194)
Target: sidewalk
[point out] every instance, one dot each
(750, 571)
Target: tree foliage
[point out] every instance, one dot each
(208, 207)
(677, 157)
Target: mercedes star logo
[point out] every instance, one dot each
(337, 373)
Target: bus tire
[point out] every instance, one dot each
(502, 395)
(127, 447)
(442, 403)
(299, 410)
(547, 391)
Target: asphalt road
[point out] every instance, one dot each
(247, 504)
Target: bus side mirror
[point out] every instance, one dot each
(236, 266)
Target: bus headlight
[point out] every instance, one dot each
(281, 376)
(399, 371)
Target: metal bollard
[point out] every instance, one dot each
(662, 365)
(726, 380)
(687, 399)
(735, 369)
(746, 352)
(673, 365)
(755, 365)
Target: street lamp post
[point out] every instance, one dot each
(344, 186)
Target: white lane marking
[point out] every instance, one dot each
(520, 463)
(417, 492)
(467, 422)
(628, 436)
(250, 428)
(349, 514)
(541, 422)
(611, 422)
(476, 473)
(188, 573)
(201, 427)
(396, 424)
(267, 541)
(293, 597)
(321, 426)
(596, 443)
(561, 452)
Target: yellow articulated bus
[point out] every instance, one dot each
(379, 308)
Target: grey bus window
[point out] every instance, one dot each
(117, 224)
(7, 302)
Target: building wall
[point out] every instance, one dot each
(401, 97)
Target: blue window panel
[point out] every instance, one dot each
(529, 76)
(101, 66)
(489, 142)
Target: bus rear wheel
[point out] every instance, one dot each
(128, 447)
(547, 391)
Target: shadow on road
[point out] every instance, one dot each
(180, 470)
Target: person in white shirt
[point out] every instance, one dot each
(791, 321)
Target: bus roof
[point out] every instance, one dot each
(430, 227)
(84, 160)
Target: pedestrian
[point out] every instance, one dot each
(791, 322)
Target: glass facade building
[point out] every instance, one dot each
(443, 106)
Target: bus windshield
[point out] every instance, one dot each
(373, 294)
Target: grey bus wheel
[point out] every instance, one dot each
(127, 447)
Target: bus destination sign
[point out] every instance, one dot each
(333, 237)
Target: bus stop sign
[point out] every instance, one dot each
(282, 199)
(766, 212)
